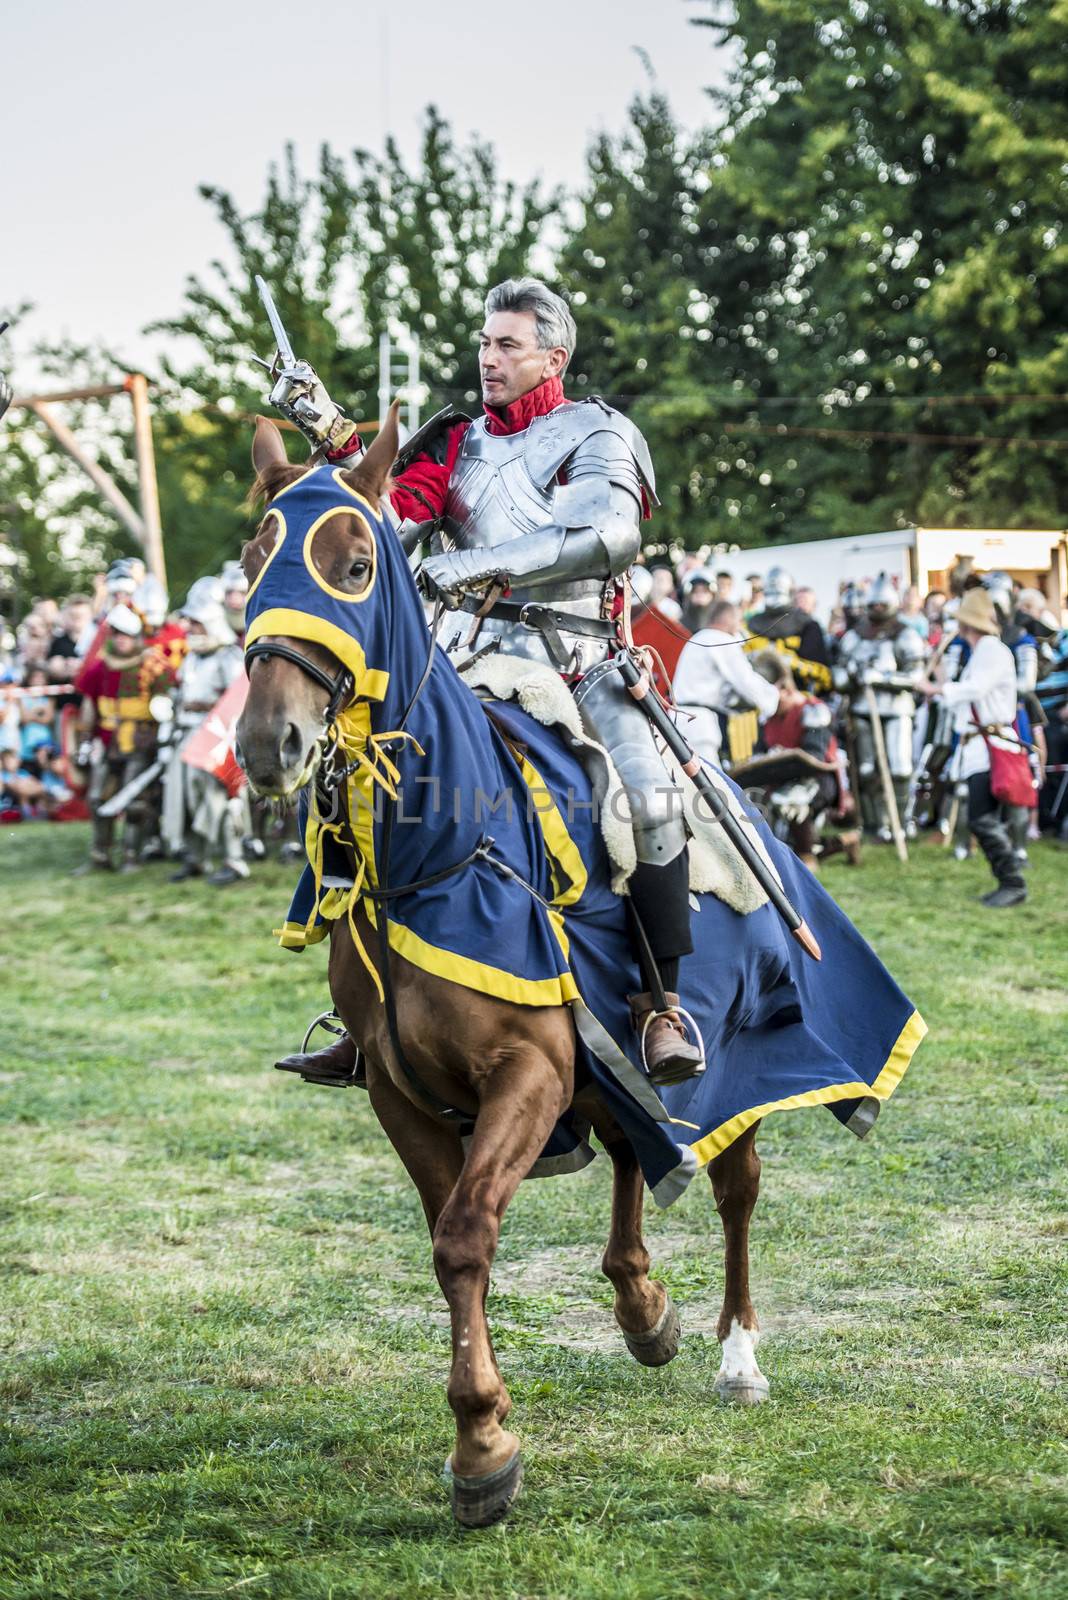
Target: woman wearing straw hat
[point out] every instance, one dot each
(988, 683)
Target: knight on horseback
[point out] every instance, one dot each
(532, 515)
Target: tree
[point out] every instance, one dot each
(904, 162)
(346, 254)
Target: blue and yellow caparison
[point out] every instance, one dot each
(780, 1031)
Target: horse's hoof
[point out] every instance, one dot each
(752, 1390)
(480, 1502)
(661, 1344)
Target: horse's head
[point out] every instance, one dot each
(302, 661)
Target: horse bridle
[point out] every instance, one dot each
(339, 687)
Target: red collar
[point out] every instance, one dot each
(521, 413)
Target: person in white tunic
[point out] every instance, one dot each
(987, 683)
(715, 678)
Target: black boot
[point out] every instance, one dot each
(660, 906)
(335, 1065)
(994, 841)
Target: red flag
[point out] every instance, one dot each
(212, 746)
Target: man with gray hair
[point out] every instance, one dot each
(532, 515)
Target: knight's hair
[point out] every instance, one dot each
(553, 322)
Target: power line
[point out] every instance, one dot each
(780, 431)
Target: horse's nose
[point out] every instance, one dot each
(291, 748)
(273, 752)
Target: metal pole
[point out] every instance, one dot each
(413, 383)
(92, 469)
(146, 477)
(384, 357)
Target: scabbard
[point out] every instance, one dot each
(638, 683)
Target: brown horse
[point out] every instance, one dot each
(510, 1068)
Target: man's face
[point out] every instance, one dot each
(510, 359)
(78, 618)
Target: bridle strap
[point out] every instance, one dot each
(339, 687)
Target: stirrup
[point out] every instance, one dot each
(328, 1020)
(667, 1077)
(324, 1020)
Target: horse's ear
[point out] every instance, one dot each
(268, 447)
(371, 473)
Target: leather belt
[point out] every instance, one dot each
(532, 615)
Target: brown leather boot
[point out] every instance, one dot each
(668, 1054)
(336, 1064)
(851, 846)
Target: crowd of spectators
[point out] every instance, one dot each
(39, 661)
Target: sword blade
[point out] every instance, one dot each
(281, 337)
(118, 802)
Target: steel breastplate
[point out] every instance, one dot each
(491, 500)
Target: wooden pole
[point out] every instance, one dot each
(94, 391)
(146, 476)
(92, 469)
(884, 775)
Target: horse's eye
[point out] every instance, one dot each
(359, 569)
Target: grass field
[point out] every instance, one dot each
(224, 1355)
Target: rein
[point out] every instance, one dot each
(339, 687)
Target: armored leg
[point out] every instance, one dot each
(103, 783)
(871, 796)
(139, 813)
(659, 888)
(897, 732)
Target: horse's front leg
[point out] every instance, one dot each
(644, 1309)
(736, 1183)
(522, 1093)
(432, 1155)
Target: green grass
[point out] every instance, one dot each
(224, 1355)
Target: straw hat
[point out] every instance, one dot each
(976, 611)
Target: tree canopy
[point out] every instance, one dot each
(839, 307)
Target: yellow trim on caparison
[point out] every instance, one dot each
(559, 845)
(908, 1041)
(369, 683)
(463, 970)
(278, 543)
(314, 573)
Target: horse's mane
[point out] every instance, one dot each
(272, 479)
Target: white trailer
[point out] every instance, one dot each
(1036, 557)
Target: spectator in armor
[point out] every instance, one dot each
(795, 635)
(803, 722)
(715, 678)
(118, 730)
(199, 814)
(879, 663)
(987, 683)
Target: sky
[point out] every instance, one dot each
(115, 112)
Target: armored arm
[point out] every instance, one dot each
(594, 532)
